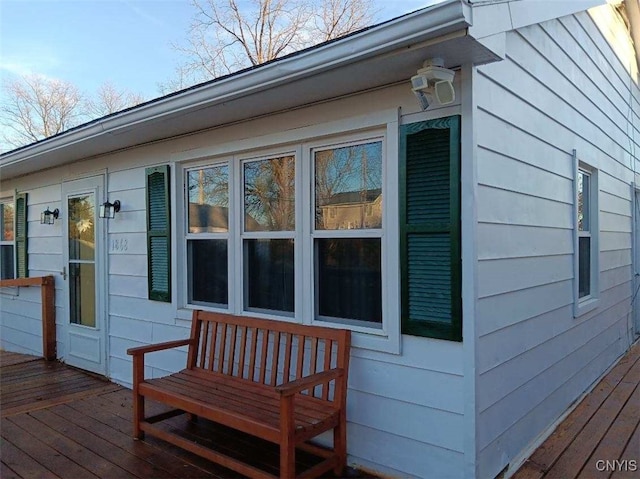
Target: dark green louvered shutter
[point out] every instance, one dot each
(22, 258)
(159, 233)
(430, 228)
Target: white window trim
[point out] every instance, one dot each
(588, 303)
(383, 125)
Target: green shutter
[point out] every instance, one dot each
(430, 228)
(158, 233)
(22, 258)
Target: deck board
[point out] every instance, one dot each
(60, 422)
(604, 426)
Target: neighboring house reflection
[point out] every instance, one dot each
(215, 219)
(352, 210)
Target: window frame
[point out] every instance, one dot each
(243, 234)
(382, 125)
(583, 305)
(354, 233)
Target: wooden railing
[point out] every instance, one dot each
(47, 284)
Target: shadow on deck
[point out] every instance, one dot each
(600, 438)
(60, 422)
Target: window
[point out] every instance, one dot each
(7, 237)
(208, 235)
(256, 241)
(430, 229)
(347, 246)
(584, 235)
(268, 234)
(586, 239)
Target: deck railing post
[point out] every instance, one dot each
(48, 318)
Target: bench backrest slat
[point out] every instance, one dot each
(268, 352)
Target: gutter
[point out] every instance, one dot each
(401, 32)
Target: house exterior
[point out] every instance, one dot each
(483, 252)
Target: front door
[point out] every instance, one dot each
(83, 251)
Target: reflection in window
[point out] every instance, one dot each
(81, 228)
(6, 241)
(208, 190)
(269, 192)
(348, 187)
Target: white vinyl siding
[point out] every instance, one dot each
(560, 88)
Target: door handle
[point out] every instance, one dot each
(63, 273)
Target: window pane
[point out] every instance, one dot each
(349, 279)
(348, 187)
(269, 274)
(584, 267)
(584, 212)
(269, 192)
(207, 271)
(6, 217)
(6, 261)
(81, 228)
(82, 294)
(208, 199)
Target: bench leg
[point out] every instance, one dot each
(288, 460)
(138, 416)
(340, 444)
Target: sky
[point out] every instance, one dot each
(125, 42)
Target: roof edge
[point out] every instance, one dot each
(415, 27)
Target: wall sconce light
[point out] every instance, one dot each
(434, 81)
(109, 210)
(48, 217)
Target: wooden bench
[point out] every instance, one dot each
(279, 381)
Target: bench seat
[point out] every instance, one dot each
(240, 404)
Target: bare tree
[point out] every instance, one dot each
(226, 36)
(109, 99)
(36, 107)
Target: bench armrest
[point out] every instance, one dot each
(158, 347)
(307, 382)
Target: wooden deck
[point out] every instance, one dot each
(59, 422)
(605, 426)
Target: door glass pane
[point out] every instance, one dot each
(584, 266)
(82, 228)
(348, 187)
(269, 192)
(207, 271)
(349, 279)
(209, 200)
(82, 294)
(269, 276)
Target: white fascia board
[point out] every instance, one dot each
(491, 17)
(419, 26)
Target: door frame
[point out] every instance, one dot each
(96, 184)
